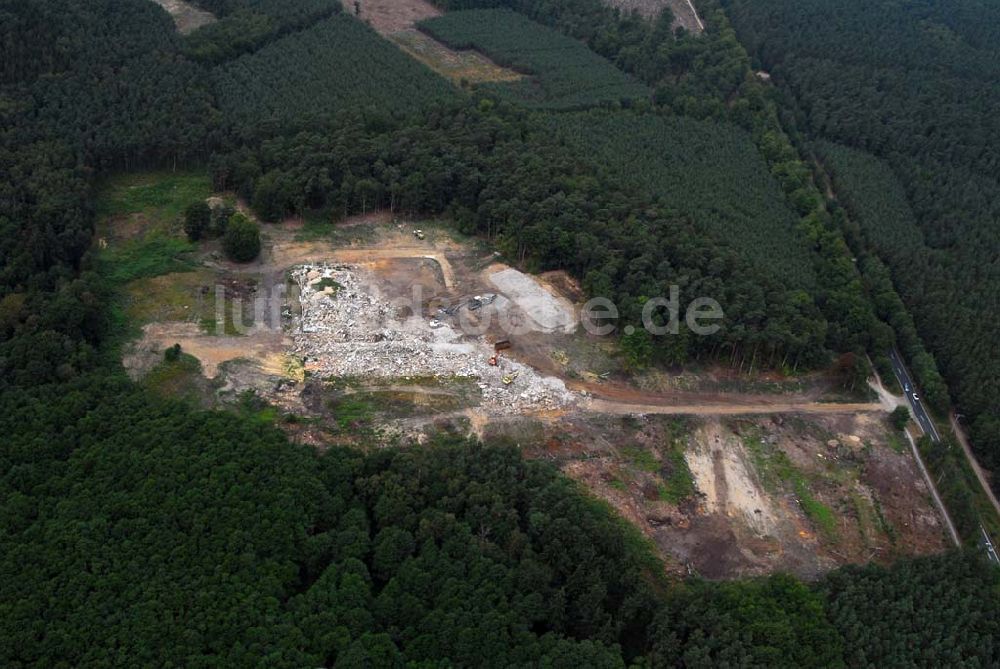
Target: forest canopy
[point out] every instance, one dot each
(136, 530)
(562, 72)
(905, 95)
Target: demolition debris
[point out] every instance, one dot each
(348, 328)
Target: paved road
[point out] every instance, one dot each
(987, 545)
(927, 425)
(913, 397)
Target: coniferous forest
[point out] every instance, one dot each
(136, 530)
(902, 100)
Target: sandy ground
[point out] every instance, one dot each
(266, 348)
(724, 408)
(735, 525)
(718, 463)
(187, 17)
(393, 16)
(547, 310)
(461, 67)
(685, 14)
(397, 20)
(424, 378)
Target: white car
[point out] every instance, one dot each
(915, 398)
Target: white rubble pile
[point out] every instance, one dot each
(349, 329)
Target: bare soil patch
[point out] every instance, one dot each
(743, 522)
(187, 17)
(393, 16)
(266, 348)
(685, 15)
(398, 19)
(548, 311)
(721, 497)
(459, 66)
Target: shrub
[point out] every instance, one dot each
(899, 417)
(197, 219)
(242, 239)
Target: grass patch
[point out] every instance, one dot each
(161, 197)
(641, 458)
(170, 297)
(140, 219)
(675, 482)
(352, 412)
(180, 379)
(323, 225)
(317, 224)
(772, 465)
(883, 522)
(820, 514)
(145, 258)
(139, 237)
(255, 409)
(778, 474)
(678, 482)
(895, 441)
(327, 282)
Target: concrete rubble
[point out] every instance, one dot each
(347, 328)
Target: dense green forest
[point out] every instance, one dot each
(710, 77)
(137, 531)
(535, 199)
(915, 86)
(565, 74)
(707, 170)
(245, 25)
(320, 70)
(695, 74)
(141, 532)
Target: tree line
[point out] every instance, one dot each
(563, 73)
(911, 91)
(136, 530)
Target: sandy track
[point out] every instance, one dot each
(319, 253)
(362, 256)
(684, 12)
(598, 405)
(973, 462)
(265, 347)
(393, 16)
(187, 17)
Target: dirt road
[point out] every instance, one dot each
(722, 409)
(934, 493)
(392, 16)
(980, 474)
(685, 15)
(285, 256)
(361, 256)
